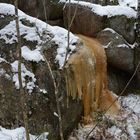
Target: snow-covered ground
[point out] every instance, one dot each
(124, 126)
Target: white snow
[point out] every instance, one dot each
(14, 134)
(115, 131)
(110, 30)
(60, 38)
(108, 10)
(2, 60)
(130, 3)
(8, 33)
(43, 91)
(122, 46)
(106, 46)
(55, 114)
(30, 84)
(132, 102)
(32, 55)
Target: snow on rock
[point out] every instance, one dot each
(60, 38)
(130, 3)
(43, 91)
(110, 30)
(30, 83)
(3, 60)
(32, 55)
(122, 46)
(115, 131)
(14, 134)
(8, 33)
(108, 10)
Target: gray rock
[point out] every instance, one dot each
(38, 8)
(124, 26)
(119, 53)
(85, 22)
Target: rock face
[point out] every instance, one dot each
(39, 89)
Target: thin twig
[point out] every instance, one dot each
(115, 99)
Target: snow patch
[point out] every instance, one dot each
(3, 60)
(26, 74)
(131, 102)
(43, 91)
(110, 30)
(122, 46)
(32, 55)
(14, 134)
(130, 3)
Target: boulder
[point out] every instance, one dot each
(120, 58)
(90, 19)
(119, 53)
(85, 22)
(37, 42)
(124, 26)
(38, 8)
